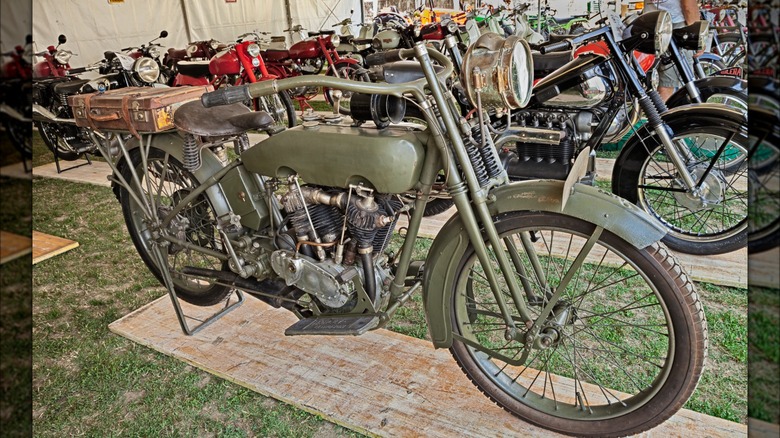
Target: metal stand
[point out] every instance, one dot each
(57, 162)
(102, 141)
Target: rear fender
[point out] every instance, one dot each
(172, 144)
(585, 202)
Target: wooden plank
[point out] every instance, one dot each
(46, 246)
(762, 429)
(381, 383)
(13, 246)
(96, 173)
(763, 268)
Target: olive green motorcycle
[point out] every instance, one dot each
(555, 298)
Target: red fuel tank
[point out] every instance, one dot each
(305, 50)
(225, 63)
(275, 55)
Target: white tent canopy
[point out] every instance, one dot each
(94, 26)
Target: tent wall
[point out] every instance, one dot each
(16, 16)
(93, 26)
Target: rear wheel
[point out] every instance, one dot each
(622, 349)
(165, 183)
(63, 140)
(280, 107)
(20, 134)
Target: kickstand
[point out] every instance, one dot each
(57, 162)
(177, 305)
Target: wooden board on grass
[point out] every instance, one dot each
(46, 246)
(380, 384)
(13, 246)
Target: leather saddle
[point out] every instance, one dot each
(219, 121)
(195, 69)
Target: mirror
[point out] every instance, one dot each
(163, 34)
(62, 39)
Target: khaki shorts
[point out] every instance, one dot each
(667, 73)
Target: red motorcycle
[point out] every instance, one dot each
(239, 63)
(16, 97)
(197, 50)
(309, 57)
(55, 61)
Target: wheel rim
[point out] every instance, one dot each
(764, 186)
(612, 379)
(721, 210)
(166, 183)
(274, 107)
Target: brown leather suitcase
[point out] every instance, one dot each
(134, 109)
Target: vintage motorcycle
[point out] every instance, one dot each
(51, 112)
(152, 50)
(528, 280)
(238, 63)
(16, 97)
(195, 51)
(686, 166)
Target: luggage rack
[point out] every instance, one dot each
(103, 140)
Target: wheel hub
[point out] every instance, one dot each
(711, 193)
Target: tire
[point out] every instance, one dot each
(651, 362)
(650, 181)
(438, 206)
(711, 66)
(56, 142)
(280, 107)
(348, 71)
(20, 134)
(764, 171)
(177, 184)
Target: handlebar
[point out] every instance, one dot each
(79, 70)
(555, 47)
(241, 93)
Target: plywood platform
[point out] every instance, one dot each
(13, 246)
(15, 170)
(724, 269)
(46, 246)
(381, 383)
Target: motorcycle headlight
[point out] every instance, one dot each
(214, 45)
(192, 48)
(501, 69)
(651, 32)
(253, 50)
(63, 56)
(452, 27)
(154, 52)
(335, 40)
(255, 62)
(146, 69)
(693, 37)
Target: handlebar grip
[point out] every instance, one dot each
(76, 71)
(226, 96)
(384, 57)
(555, 47)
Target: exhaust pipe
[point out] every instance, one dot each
(41, 114)
(13, 113)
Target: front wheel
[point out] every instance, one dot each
(280, 107)
(165, 182)
(712, 219)
(620, 352)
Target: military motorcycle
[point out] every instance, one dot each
(555, 298)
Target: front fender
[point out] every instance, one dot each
(585, 202)
(707, 56)
(708, 87)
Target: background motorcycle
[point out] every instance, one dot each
(16, 97)
(238, 63)
(494, 292)
(152, 51)
(54, 117)
(685, 179)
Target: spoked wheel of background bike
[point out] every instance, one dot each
(165, 183)
(622, 349)
(712, 221)
(764, 170)
(21, 137)
(344, 71)
(279, 106)
(62, 140)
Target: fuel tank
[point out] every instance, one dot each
(388, 160)
(306, 49)
(225, 63)
(388, 39)
(275, 55)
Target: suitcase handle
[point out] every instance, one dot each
(105, 118)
